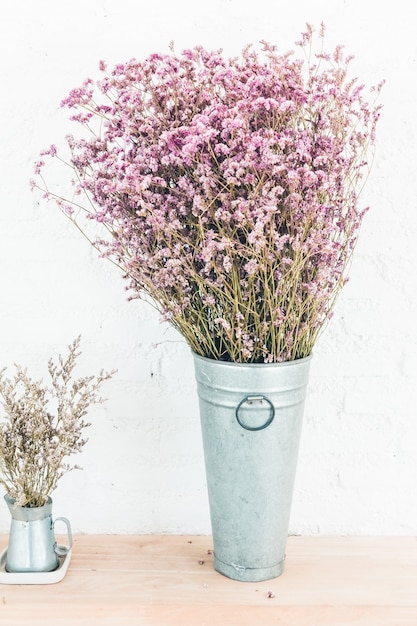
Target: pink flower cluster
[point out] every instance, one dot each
(229, 189)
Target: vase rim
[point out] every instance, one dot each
(11, 501)
(282, 364)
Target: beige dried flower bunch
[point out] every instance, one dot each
(42, 426)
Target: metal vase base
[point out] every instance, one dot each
(251, 418)
(247, 574)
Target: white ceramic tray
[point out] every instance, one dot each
(33, 578)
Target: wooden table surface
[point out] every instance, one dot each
(129, 580)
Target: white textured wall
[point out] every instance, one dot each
(143, 466)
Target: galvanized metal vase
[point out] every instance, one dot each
(251, 417)
(32, 546)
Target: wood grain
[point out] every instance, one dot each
(127, 580)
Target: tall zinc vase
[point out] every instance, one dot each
(251, 417)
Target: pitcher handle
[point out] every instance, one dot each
(63, 550)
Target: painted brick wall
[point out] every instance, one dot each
(143, 466)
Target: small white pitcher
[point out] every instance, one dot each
(32, 546)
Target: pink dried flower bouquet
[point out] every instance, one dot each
(227, 190)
